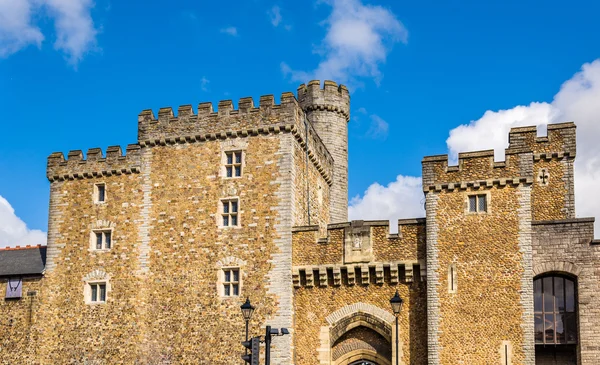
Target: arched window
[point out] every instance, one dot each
(555, 306)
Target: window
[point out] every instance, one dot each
(555, 310)
(506, 353)
(102, 240)
(99, 193)
(452, 278)
(231, 282)
(478, 203)
(230, 213)
(97, 292)
(233, 164)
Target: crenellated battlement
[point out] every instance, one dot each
(226, 120)
(207, 124)
(96, 164)
(560, 139)
(331, 97)
(478, 168)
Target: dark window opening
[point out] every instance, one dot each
(554, 301)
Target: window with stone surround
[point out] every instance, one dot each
(230, 213)
(101, 239)
(478, 203)
(555, 308)
(233, 163)
(230, 282)
(97, 292)
(96, 287)
(99, 193)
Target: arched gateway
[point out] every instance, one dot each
(358, 334)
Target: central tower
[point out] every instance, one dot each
(328, 110)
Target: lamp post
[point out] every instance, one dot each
(396, 303)
(247, 310)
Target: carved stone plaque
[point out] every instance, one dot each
(357, 243)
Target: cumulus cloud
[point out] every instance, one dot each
(358, 40)
(232, 31)
(14, 232)
(402, 198)
(75, 31)
(275, 15)
(16, 28)
(577, 100)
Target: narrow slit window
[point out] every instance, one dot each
(100, 193)
(506, 353)
(233, 164)
(452, 278)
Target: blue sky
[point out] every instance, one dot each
(74, 74)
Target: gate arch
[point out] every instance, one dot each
(357, 332)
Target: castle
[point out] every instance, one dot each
(151, 252)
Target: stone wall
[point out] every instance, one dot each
(17, 317)
(185, 319)
(487, 307)
(69, 330)
(553, 194)
(326, 283)
(328, 110)
(567, 247)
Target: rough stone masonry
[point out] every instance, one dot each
(152, 251)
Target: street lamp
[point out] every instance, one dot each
(396, 303)
(247, 310)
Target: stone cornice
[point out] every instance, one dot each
(329, 108)
(464, 185)
(304, 276)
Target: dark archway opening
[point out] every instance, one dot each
(361, 345)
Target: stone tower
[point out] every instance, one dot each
(328, 109)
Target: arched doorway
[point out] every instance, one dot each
(555, 308)
(361, 345)
(358, 334)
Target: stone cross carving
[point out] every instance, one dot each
(543, 177)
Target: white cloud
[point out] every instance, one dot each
(378, 128)
(232, 31)
(14, 232)
(75, 31)
(16, 28)
(357, 42)
(204, 83)
(577, 100)
(402, 198)
(275, 15)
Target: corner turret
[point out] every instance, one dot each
(328, 110)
